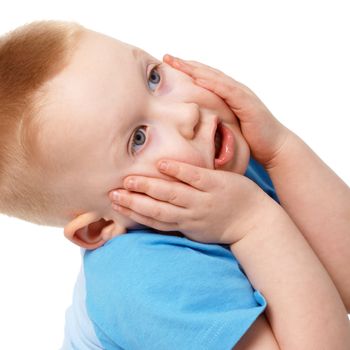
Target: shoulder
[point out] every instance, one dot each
(147, 254)
(161, 284)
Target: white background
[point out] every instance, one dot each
(294, 55)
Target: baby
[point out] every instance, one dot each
(83, 114)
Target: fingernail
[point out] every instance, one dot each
(115, 196)
(174, 57)
(163, 166)
(177, 64)
(130, 183)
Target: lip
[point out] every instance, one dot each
(227, 147)
(213, 131)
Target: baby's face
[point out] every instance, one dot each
(111, 113)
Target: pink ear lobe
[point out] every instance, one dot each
(90, 236)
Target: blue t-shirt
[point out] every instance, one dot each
(147, 290)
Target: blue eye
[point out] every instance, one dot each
(154, 77)
(138, 138)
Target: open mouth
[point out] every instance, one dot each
(224, 145)
(218, 140)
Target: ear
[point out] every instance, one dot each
(90, 231)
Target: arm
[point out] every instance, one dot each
(258, 337)
(318, 201)
(304, 309)
(315, 198)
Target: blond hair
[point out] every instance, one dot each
(29, 56)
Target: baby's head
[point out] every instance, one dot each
(80, 111)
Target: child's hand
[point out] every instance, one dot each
(210, 206)
(263, 132)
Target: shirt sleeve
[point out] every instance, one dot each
(152, 291)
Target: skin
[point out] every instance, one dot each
(103, 100)
(298, 174)
(296, 170)
(182, 114)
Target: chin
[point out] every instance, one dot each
(240, 163)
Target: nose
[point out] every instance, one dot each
(187, 118)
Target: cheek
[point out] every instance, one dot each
(207, 100)
(169, 147)
(213, 102)
(181, 88)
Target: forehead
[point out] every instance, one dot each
(98, 64)
(100, 81)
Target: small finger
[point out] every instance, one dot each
(175, 193)
(146, 221)
(235, 94)
(193, 68)
(147, 206)
(196, 177)
(187, 64)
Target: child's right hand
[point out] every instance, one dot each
(206, 205)
(263, 132)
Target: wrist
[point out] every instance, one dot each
(290, 142)
(271, 226)
(262, 214)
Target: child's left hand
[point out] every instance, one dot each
(265, 135)
(210, 206)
